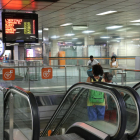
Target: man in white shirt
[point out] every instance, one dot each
(90, 63)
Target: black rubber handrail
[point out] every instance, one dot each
(136, 86)
(34, 109)
(119, 98)
(136, 97)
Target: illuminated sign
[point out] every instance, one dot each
(20, 27)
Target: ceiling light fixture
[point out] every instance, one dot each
(113, 27)
(119, 38)
(66, 24)
(40, 31)
(46, 29)
(87, 32)
(105, 13)
(75, 38)
(135, 20)
(80, 27)
(137, 24)
(71, 34)
(55, 36)
(124, 29)
(105, 37)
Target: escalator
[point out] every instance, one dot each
(72, 112)
(71, 115)
(68, 115)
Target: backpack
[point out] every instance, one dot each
(96, 96)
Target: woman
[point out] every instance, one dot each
(114, 64)
(97, 101)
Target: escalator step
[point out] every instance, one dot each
(72, 136)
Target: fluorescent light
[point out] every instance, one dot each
(75, 38)
(79, 42)
(80, 27)
(124, 29)
(66, 24)
(105, 37)
(62, 38)
(114, 27)
(119, 38)
(55, 36)
(135, 20)
(71, 34)
(40, 31)
(87, 32)
(137, 24)
(17, 32)
(46, 29)
(105, 13)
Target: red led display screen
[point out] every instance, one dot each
(20, 27)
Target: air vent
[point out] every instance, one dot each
(47, 0)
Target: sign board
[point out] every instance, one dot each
(8, 74)
(47, 73)
(20, 27)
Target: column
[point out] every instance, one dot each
(54, 52)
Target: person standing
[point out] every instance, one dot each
(91, 63)
(97, 101)
(114, 64)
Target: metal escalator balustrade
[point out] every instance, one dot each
(21, 115)
(132, 103)
(76, 110)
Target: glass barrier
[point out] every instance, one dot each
(28, 75)
(21, 115)
(84, 107)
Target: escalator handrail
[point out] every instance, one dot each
(114, 92)
(84, 131)
(33, 107)
(137, 99)
(136, 86)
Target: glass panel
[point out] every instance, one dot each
(22, 116)
(57, 83)
(131, 113)
(65, 107)
(22, 119)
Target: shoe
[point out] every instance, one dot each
(116, 77)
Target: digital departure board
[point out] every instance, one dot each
(20, 27)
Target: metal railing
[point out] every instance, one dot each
(63, 75)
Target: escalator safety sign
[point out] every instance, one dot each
(8, 74)
(47, 73)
